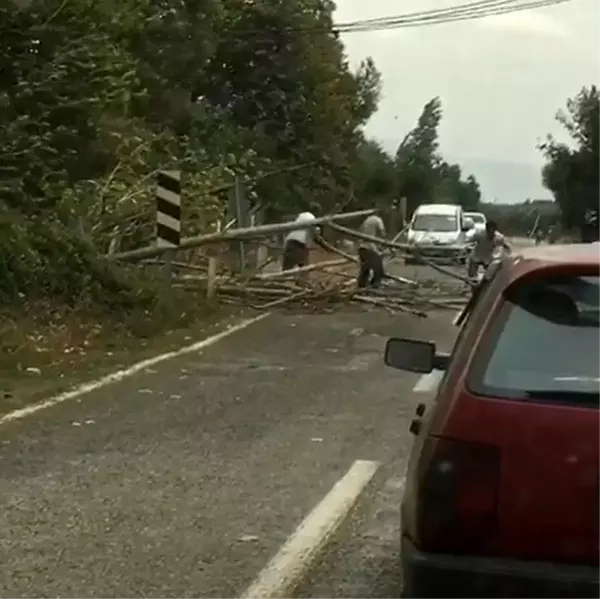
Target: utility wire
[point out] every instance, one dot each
(446, 11)
(474, 9)
(450, 15)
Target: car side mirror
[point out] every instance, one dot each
(411, 355)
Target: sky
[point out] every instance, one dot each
(501, 81)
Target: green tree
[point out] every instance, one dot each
(470, 195)
(417, 159)
(423, 176)
(96, 96)
(572, 171)
(281, 72)
(452, 188)
(374, 178)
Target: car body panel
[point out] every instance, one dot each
(548, 499)
(437, 244)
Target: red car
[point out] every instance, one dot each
(502, 484)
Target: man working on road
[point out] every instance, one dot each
(297, 243)
(371, 263)
(485, 253)
(487, 243)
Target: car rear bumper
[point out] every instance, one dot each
(436, 575)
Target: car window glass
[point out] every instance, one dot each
(546, 341)
(435, 222)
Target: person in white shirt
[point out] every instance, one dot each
(371, 263)
(487, 243)
(296, 246)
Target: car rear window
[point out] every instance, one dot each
(443, 223)
(544, 344)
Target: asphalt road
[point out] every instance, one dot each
(365, 561)
(183, 480)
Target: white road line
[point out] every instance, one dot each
(293, 561)
(121, 374)
(429, 383)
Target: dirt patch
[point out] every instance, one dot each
(47, 348)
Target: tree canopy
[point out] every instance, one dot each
(98, 95)
(422, 174)
(572, 170)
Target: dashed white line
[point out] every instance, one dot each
(293, 561)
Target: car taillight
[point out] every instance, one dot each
(457, 495)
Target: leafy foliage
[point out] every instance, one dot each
(417, 158)
(374, 179)
(96, 96)
(454, 189)
(521, 219)
(423, 176)
(572, 172)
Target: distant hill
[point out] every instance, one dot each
(509, 182)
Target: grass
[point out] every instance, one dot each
(48, 348)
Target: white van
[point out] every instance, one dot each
(437, 231)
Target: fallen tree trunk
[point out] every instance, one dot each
(236, 235)
(299, 270)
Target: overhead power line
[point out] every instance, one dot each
(448, 10)
(468, 11)
(474, 9)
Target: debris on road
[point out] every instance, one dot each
(329, 280)
(323, 284)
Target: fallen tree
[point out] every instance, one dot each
(325, 282)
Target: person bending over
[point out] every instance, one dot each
(296, 246)
(370, 271)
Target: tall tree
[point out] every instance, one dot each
(281, 72)
(423, 176)
(417, 158)
(452, 188)
(471, 193)
(374, 177)
(95, 96)
(572, 171)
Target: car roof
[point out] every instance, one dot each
(539, 257)
(437, 209)
(475, 214)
